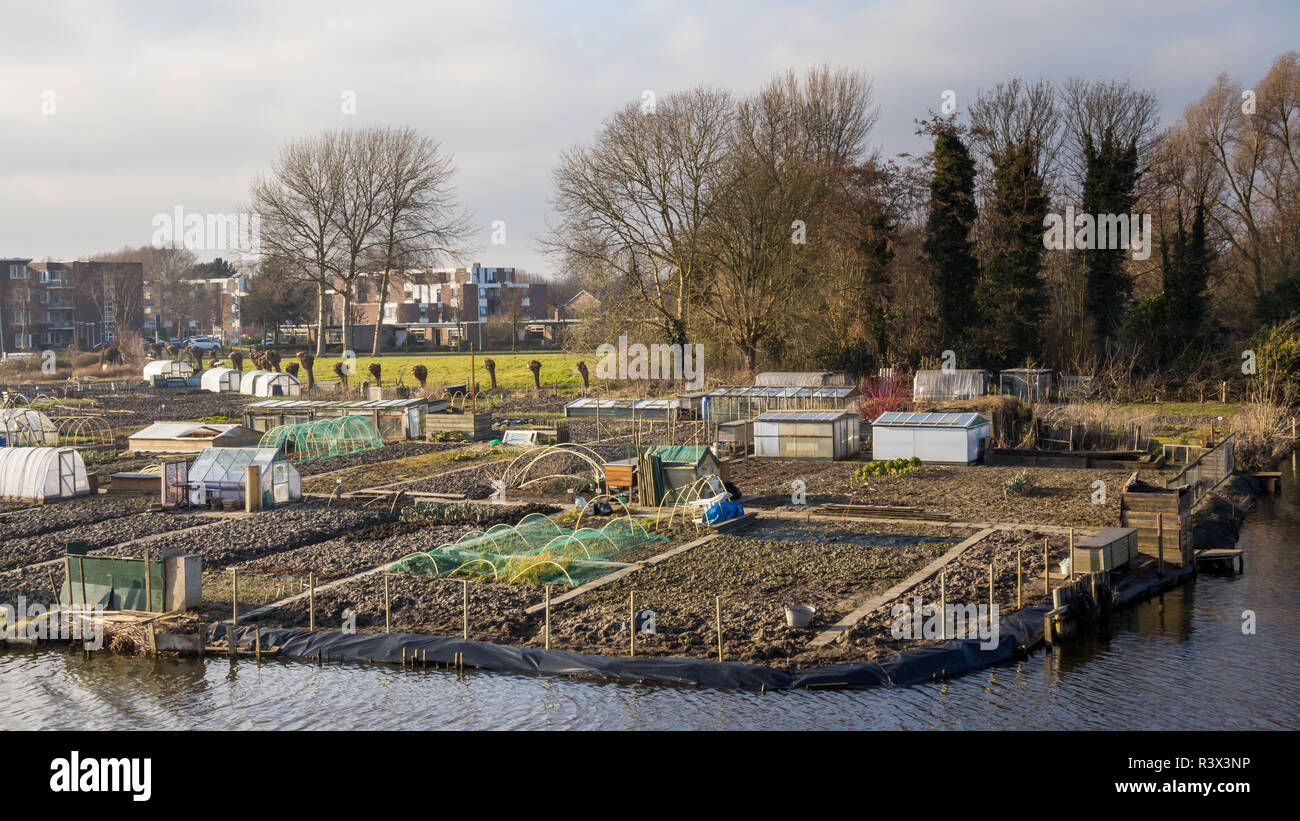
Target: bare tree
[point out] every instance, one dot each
(637, 200)
(421, 219)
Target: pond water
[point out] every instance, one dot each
(1179, 661)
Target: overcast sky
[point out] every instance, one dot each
(176, 103)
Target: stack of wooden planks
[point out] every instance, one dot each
(1162, 518)
(878, 511)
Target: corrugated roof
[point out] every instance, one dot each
(802, 416)
(761, 391)
(917, 419)
(178, 430)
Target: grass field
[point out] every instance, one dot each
(453, 369)
(1183, 408)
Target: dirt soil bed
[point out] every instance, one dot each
(24, 551)
(56, 516)
(388, 453)
(1055, 496)
(144, 407)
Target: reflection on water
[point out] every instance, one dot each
(1177, 661)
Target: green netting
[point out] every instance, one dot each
(323, 438)
(536, 550)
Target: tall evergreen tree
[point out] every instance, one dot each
(1011, 294)
(948, 246)
(1110, 180)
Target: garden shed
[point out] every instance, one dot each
(25, 427)
(167, 369)
(803, 379)
(683, 464)
(269, 383)
(190, 437)
(945, 438)
(1026, 384)
(41, 474)
(221, 380)
(219, 473)
(816, 435)
(942, 386)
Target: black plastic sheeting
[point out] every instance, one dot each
(951, 658)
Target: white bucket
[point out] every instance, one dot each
(799, 615)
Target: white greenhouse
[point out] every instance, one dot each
(817, 435)
(945, 438)
(41, 474)
(220, 380)
(24, 427)
(269, 383)
(168, 369)
(219, 473)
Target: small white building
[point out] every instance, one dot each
(40, 474)
(269, 383)
(168, 369)
(944, 438)
(221, 380)
(818, 435)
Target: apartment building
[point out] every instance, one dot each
(196, 307)
(463, 300)
(48, 304)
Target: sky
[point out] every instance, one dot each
(114, 112)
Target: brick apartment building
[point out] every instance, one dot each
(48, 305)
(197, 307)
(461, 300)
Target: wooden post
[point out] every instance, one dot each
(311, 602)
(1160, 543)
(1071, 554)
(234, 596)
(991, 596)
(53, 587)
(148, 584)
(631, 623)
(1020, 560)
(81, 571)
(464, 608)
(388, 610)
(717, 605)
(257, 641)
(252, 489)
(472, 392)
(548, 617)
(1047, 571)
(943, 605)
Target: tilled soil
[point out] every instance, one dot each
(143, 407)
(756, 577)
(966, 582)
(266, 533)
(423, 604)
(53, 517)
(357, 551)
(24, 551)
(388, 453)
(475, 482)
(1058, 496)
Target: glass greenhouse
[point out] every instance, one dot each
(24, 427)
(219, 473)
(323, 438)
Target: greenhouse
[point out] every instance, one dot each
(218, 473)
(537, 550)
(269, 383)
(323, 438)
(41, 474)
(394, 418)
(221, 380)
(168, 369)
(733, 403)
(944, 386)
(24, 427)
